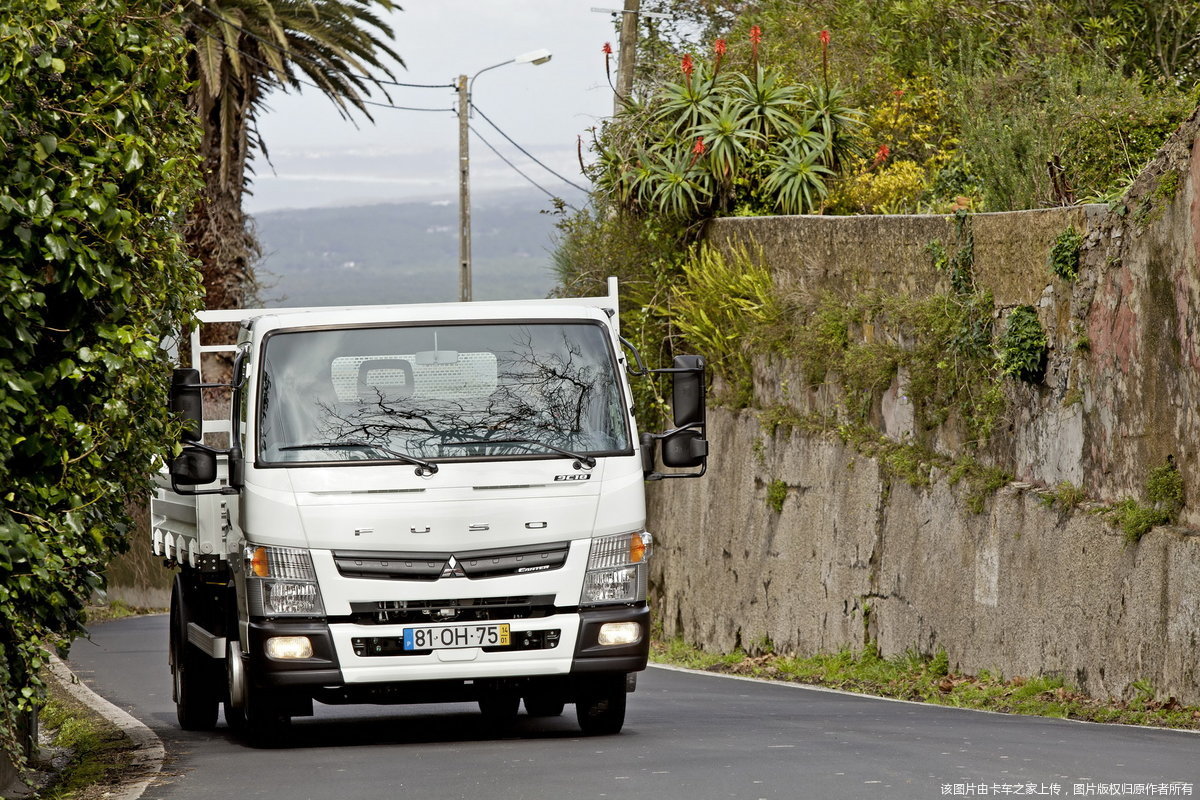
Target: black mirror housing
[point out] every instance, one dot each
(684, 449)
(194, 467)
(185, 400)
(687, 391)
(649, 452)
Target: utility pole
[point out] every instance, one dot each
(464, 165)
(627, 54)
(464, 192)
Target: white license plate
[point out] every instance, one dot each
(448, 637)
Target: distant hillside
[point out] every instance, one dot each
(405, 252)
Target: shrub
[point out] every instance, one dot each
(1023, 346)
(1063, 259)
(777, 492)
(97, 152)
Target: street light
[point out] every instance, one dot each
(465, 88)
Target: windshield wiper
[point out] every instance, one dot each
(351, 444)
(587, 461)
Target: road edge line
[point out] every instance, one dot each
(148, 750)
(845, 692)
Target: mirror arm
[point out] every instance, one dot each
(640, 370)
(195, 492)
(691, 426)
(660, 476)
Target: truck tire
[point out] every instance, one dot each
(600, 705)
(499, 710)
(544, 705)
(261, 721)
(193, 685)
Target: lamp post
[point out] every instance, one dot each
(465, 87)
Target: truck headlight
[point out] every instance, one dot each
(281, 581)
(617, 569)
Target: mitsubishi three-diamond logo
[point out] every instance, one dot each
(453, 569)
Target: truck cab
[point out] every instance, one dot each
(423, 503)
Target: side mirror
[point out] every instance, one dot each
(186, 401)
(685, 449)
(687, 392)
(194, 467)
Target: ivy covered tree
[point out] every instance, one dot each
(97, 161)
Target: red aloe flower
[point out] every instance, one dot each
(881, 155)
(755, 35)
(607, 49)
(719, 48)
(824, 37)
(686, 65)
(698, 149)
(898, 92)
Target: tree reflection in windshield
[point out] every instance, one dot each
(490, 390)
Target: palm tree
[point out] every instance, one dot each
(242, 49)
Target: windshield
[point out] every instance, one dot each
(528, 390)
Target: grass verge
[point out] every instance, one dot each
(88, 757)
(911, 676)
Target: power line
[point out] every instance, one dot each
(518, 170)
(394, 107)
(297, 56)
(303, 82)
(523, 150)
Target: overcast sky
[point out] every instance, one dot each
(321, 159)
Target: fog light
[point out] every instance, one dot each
(289, 647)
(620, 633)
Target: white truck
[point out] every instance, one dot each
(415, 504)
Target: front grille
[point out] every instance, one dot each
(391, 566)
(467, 609)
(470, 564)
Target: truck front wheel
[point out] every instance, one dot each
(193, 685)
(600, 704)
(258, 717)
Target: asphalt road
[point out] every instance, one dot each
(687, 736)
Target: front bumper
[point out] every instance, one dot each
(335, 662)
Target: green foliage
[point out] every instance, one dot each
(974, 98)
(959, 265)
(1164, 488)
(1092, 125)
(982, 480)
(1164, 491)
(914, 675)
(942, 343)
(98, 155)
(717, 137)
(1135, 519)
(98, 752)
(644, 253)
(1063, 259)
(1167, 186)
(777, 492)
(1065, 495)
(726, 307)
(1023, 346)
